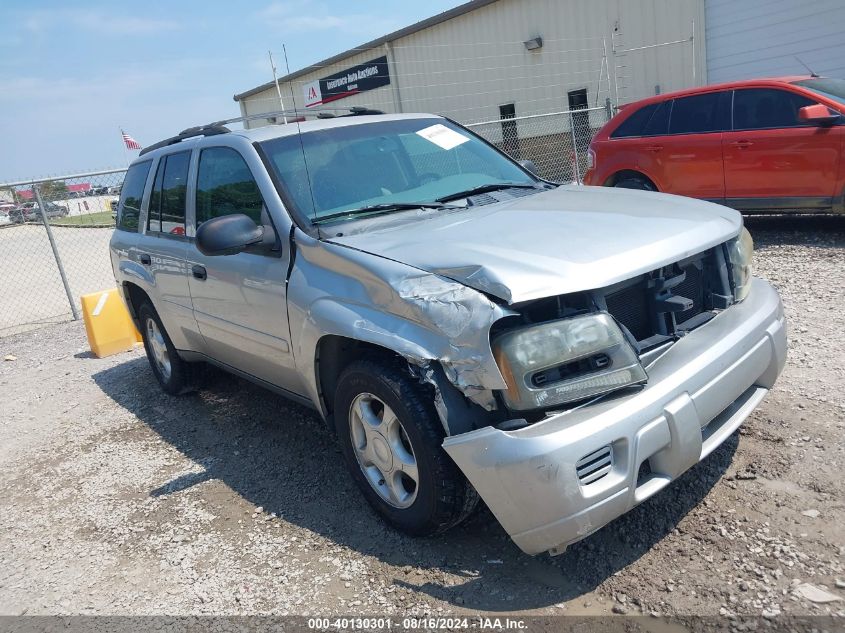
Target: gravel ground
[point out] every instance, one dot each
(118, 499)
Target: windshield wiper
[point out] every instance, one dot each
(384, 207)
(485, 189)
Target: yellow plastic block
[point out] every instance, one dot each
(107, 322)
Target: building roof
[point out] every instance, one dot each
(390, 37)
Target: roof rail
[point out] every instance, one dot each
(200, 130)
(320, 113)
(219, 127)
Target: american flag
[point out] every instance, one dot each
(131, 143)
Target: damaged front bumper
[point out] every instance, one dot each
(559, 480)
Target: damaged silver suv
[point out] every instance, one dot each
(467, 328)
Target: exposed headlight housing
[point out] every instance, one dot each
(563, 361)
(740, 250)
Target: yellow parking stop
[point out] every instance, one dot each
(107, 322)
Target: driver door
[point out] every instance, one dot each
(239, 301)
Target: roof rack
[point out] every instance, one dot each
(320, 113)
(201, 130)
(219, 127)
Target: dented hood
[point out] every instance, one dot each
(554, 242)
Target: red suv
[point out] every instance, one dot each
(763, 144)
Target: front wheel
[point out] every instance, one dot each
(391, 438)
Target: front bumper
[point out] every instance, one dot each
(697, 394)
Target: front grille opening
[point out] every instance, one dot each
(581, 367)
(692, 288)
(630, 307)
(594, 466)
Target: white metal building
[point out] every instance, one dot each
(762, 38)
(492, 59)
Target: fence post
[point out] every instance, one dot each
(574, 148)
(46, 222)
(608, 110)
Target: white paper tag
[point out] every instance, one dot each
(100, 304)
(442, 136)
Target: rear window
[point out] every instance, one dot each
(635, 124)
(129, 207)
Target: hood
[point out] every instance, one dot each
(564, 240)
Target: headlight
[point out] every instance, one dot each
(740, 251)
(562, 361)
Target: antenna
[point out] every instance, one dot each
(276, 81)
(811, 71)
(299, 135)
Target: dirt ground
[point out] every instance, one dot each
(118, 499)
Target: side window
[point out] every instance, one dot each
(167, 200)
(761, 108)
(696, 114)
(658, 125)
(129, 207)
(225, 186)
(635, 124)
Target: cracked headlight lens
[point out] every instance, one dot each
(740, 250)
(563, 361)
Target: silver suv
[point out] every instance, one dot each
(467, 328)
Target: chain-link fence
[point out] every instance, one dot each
(556, 142)
(54, 236)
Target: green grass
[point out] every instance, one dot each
(104, 217)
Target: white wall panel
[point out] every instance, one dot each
(761, 38)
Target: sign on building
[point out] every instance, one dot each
(360, 78)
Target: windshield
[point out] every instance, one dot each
(831, 88)
(327, 172)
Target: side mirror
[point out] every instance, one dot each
(530, 166)
(228, 234)
(817, 114)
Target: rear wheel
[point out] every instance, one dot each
(391, 438)
(635, 182)
(170, 370)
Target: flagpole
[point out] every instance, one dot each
(125, 149)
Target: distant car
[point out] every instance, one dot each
(31, 212)
(114, 191)
(100, 191)
(762, 144)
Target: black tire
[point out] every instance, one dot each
(635, 182)
(177, 379)
(443, 498)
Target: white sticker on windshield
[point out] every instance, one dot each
(442, 136)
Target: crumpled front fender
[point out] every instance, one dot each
(335, 290)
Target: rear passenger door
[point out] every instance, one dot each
(163, 247)
(240, 300)
(685, 156)
(772, 159)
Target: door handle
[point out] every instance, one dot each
(654, 148)
(145, 259)
(742, 144)
(199, 271)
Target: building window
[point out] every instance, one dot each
(510, 136)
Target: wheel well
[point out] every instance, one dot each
(136, 297)
(334, 354)
(628, 173)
